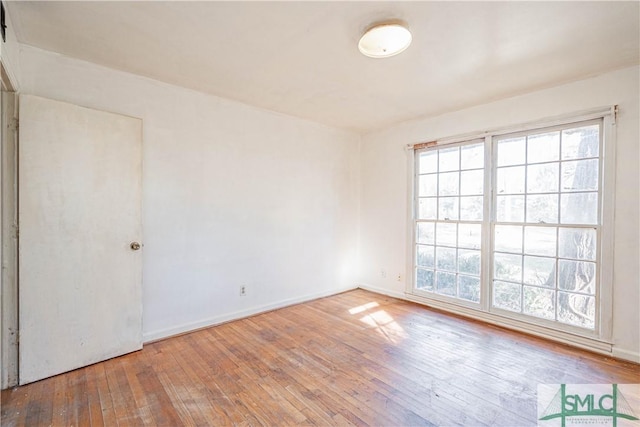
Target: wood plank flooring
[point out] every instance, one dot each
(357, 358)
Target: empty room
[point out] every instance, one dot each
(335, 213)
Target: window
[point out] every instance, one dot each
(540, 215)
(546, 227)
(449, 225)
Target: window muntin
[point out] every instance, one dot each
(448, 233)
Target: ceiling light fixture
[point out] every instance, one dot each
(385, 39)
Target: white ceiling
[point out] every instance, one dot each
(301, 58)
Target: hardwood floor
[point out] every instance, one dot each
(354, 358)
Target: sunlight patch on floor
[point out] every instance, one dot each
(381, 321)
(385, 325)
(363, 307)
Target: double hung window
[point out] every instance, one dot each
(450, 207)
(512, 224)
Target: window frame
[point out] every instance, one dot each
(600, 336)
(413, 229)
(559, 224)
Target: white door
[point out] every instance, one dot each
(79, 212)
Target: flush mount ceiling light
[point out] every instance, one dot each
(385, 39)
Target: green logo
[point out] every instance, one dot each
(588, 404)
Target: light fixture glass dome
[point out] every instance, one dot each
(385, 40)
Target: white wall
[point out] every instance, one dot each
(233, 195)
(383, 218)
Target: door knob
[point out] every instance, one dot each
(135, 246)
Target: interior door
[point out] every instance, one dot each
(79, 217)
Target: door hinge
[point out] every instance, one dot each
(15, 337)
(14, 124)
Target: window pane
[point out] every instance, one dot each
(446, 283)
(577, 276)
(580, 175)
(580, 142)
(448, 184)
(472, 156)
(511, 151)
(448, 209)
(426, 233)
(471, 208)
(540, 271)
(543, 147)
(579, 208)
(510, 209)
(425, 256)
(542, 209)
(424, 279)
(578, 243)
(445, 234)
(429, 162)
(540, 241)
(506, 296)
(469, 288)
(469, 262)
(508, 238)
(510, 180)
(578, 310)
(469, 236)
(428, 185)
(542, 178)
(427, 208)
(539, 302)
(471, 183)
(445, 258)
(507, 267)
(449, 159)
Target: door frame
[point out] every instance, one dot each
(8, 234)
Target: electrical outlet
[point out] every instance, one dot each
(243, 291)
(399, 278)
(383, 273)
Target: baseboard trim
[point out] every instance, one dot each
(592, 345)
(382, 291)
(631, 356)
(579, 342)
(185, 328)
